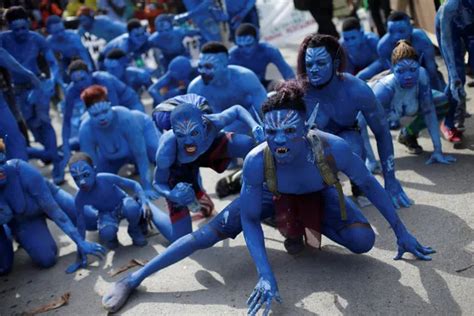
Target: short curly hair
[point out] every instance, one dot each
(94, 94)
(289, 96)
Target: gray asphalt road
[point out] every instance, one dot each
(330, 281)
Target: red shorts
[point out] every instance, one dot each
(294, 213)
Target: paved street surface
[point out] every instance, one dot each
(329, 281)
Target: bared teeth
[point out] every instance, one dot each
(282, 150)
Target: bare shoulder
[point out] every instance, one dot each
(253, 170)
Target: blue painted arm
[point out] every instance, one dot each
(228, 116)
(11, 64)
(83, 52)
(351, 165)
(203, 7)
(53, 65)
(128, 185)
(67, 116)
(165, 156)
(375, 117)
(283, 67)
(137, 145)
(429, 60)
(154, 89)
(81, 222)
(266, 289)
(86, 140)
(371, 70)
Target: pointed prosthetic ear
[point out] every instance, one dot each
(420, 59)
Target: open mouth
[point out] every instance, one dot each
(103, 123)
(2, 176)
(190, 149)
(282, 150)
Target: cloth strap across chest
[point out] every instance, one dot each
(324, 163)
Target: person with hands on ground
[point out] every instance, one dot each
(26, 200)
(289, 163)
(114, 136)
(105, 192)
(196, 140)
(406, 92)
(333, 100)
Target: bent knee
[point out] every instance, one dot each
(362, 239)
(108, 233)
(45, 260)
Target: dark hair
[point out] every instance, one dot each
(350, 24)
(403, 50)
(76, 65)
(398, 16)
(15, 13)
(94, 94)
(53, 19)
(83, 10)
(246, 29)
(3, 147)
(81, 156)
(133, 24)
(116, 53)
(289, 96)
(320, 40)
(214, 48)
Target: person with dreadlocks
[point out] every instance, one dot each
(334, 99)
(406, 92)
(299, 165)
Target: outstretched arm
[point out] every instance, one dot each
(256, 94)
(371, 70)
(9, 62)
(36, 186)
(277, 59)
(154, 89)
(351, 164)
(234, 113)
(251, 208)
(429, 61)
(53, 65)
(375, 117)
(200, 9)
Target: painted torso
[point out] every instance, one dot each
(170, 43)
(104, 195)
(68, 48)
(256, 62)
(367, 53)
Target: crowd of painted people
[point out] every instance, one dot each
(293, 135)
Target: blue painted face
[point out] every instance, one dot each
(353, 39)
(247, 44)
(101, 114)
(319, 66)
(138, 36)
(3, 169)
(83, 175)
(20, 29)
(180, 68)
(407, 72)
(212, 67)
(116, 67)
(86, 21)
(286, 134)
(57, 31)
(399, 30)
(190, 132)
(163, 26)
(82, 79)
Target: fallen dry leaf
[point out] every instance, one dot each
(132, 263)
(57, 303)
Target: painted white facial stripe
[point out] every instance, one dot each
(316, 53)
(274, 119)
(185, 127)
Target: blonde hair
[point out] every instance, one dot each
(403, 50)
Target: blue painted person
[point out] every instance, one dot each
(334, 99)
(81, 78)
(195, 141)
(26, 201)
(114, 136)
(169, 39)
(361, 48)
(174, 82)
(400, 28)
(406, 92)
(455, 34)
(256, 56)
(116, 63)
(27, 47)
(291, 164)
(225, 85)
(101, 26)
